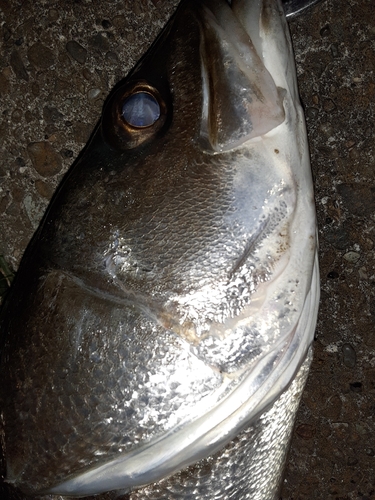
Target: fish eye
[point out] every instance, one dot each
(135, 114)
(141, 110)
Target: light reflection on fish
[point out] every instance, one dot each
(170, 294)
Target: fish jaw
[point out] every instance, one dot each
(205, 260)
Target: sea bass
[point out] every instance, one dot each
(156, 340)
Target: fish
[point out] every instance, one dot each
(157, 337)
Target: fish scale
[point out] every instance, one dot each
(234, 473)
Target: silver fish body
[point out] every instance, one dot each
(162, 316)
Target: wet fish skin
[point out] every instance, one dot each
(149, 264)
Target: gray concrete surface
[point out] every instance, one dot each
(58, 62)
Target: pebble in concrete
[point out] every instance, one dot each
(349, 356)
(41, 56)
(352, 257)
(44, 158)
(76, 50)
(18, 67)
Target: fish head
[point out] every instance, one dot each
(169, 295)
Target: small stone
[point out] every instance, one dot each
(13, 210)
(361, 428)
(76, 50)
(111, 57)
(326, 128)
(7, 72)
(312, 113)
(61, 85)
(368, 132)
(137, 9)
(341, 426)
(87, 74)
(352, 257)
(370, 452)
(333, 407)
(106, 24)
(51, 114)
(119, 21)
(356, 387)
(18, 66)
(29, 117)
(49, 131)
(100, 42)
(17, 115)
(82, 131)
(333, 275)
(329, 105)
(35, 89)
(337, 237)
(334, 50)
(3, 204)
(325, 31)
(372, 307)
(92, 94)
(352, 461)
(53, 14)
(6, 33)
(349, 356)
(20, 162)
(363, 274)
(130, 37)
(359, 199)
(4, 81)
(41, 56)
(46, 161)
(354, 154)
(34, 209)
(66, 153)
(305, 431)
(44, 189)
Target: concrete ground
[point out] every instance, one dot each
(51, 97)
